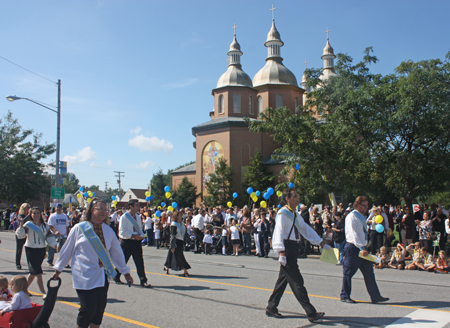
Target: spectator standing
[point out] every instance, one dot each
(198, 222)
(23, 217)
(58, 223)
(339, 236)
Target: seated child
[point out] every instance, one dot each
(442, 264)
(21, 300)
(398, 258)
(5, 294)
(412, 250)
(384, 259)
(416, 258)
(426, 261)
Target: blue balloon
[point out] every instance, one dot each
(93, 194)
(158, 214)
(270, 191)
(291, 185)
(147, 198)
(379, 228)
(278, 205)
(235, 195)
(166, 188)
(81, 189)
(249, 190)
(266, 196)
(174, 205)
(151, 197)
(86, 195)
(163, 204)
(258, 193)
(297, 166)
(113, 197)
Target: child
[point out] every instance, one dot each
(21, 300)
(442, 263)
(5, 293)
(224, 239)
(157, 232)
(328, 236)
(427, 262)
(207, 242)
(384, 259)
(234, 233)
(398, 258)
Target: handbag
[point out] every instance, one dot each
(431, 235)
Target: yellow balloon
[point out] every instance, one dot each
(253, 195)
(263, 204)
(279, 193)
(378, 219)
(255, 199)
(159, 207)
(170, 208)
(168, 194)
(115, 202)
(147, 194)
(89, 200)
(229, 204)
(79, 196)
(114, 205)
(90, 193)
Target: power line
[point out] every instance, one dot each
(27, 70)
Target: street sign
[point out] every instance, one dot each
(57, 193)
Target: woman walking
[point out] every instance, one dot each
(175, 257)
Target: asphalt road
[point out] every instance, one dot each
(233, 291)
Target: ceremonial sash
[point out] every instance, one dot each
(180, 228)
(36, 229)
(290, 215)
(133, 222)
(363, 220)
(98, 248)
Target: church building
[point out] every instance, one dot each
(236, 97)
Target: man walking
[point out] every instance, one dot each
(285, 240)
(356, 237)
(59, 225)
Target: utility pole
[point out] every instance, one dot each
(118, 181)
(106, 186)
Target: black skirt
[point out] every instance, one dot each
(176, 260)
(35, 257)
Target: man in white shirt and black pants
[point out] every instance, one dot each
(198, 222)
(130, 241)
(285, 240)
(356, 237)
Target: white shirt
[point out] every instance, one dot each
(33, 240)
(354, 231)
(86, 271)
(385, 218)
(60, 222)
(234, 232)
(207, 239)
(148, 224)
(198, 222)
(19, 301)
(257, 225)
(126, 228)
(283, 225)
(114, 217)
(447, 226)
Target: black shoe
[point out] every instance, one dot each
(348, 300)
(118, 282)
(67, 266)
(19, 267)
(145, 285)
(316, 316)
(274, 314)
(381, 299)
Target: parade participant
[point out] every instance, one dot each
(23, 217)
(130, 232)
(94, 251)
(34, 233)
(356, 238)
(58, 223)
(175, 257)
(285, 242)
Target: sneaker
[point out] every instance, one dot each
(339, 263)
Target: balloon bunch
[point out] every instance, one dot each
(253, 194)
(148, 197)
(379, 227)
(86, 195)
(114, 201)
(235, 195)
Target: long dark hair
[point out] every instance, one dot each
(41, 221)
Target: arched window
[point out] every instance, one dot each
(237, 103)
(260, 108)
(279, 101)
(296, 105)
(250, 105)
(221, 104)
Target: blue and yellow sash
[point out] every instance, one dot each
(36, 229)
(291, 216)
(363, 220)
(133, 222)
(180, 228)
(98, 248)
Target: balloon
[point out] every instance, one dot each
(90, 193)
(249, 190)
(174, 205)
(258, 193)
(163, 204)
(113, 197)
(378, 219)
(166, 188)
(297, 166)
(158, 214)
(85, 194)
(379, 228)
(168, 194)
(159, 207)
(279, 193)
(93, 194)
(170, 208)
(81, 189)
(151, 197)
(279, 206)
(263, 204)
(147, 193)
(255, 199)
(147, 199)
(89, 200)
(291, 185)
(235, 195)
(229, 204)
(253, 194)
(115, 202)
(266, 195)
(114, 206)
(270, 191)
(79, 196)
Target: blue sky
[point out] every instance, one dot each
(137, 75)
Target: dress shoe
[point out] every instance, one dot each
(18, 267)
(118, 282)
(347, 300)
(316, 316)
(274, 314)
(381, 299)
(145, 285)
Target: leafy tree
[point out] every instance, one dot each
(364, 133)
(219, 185)
(186, 194)
(71, 183)
(21, 171)
(257, 175)
(158, 182)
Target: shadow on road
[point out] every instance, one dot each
(184, 288)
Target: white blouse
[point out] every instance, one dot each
(20, 301)
(33, 240)
(86, 271)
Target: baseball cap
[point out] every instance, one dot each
(59, 205)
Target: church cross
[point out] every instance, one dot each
(327, 31)
(306, 62)
(273, 12)
(234, 28)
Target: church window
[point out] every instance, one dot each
(279, 100)
(296, 105)
(260, 108)
(250, 104)
(237, 103)
(221, 104)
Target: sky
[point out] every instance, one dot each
(136, 75)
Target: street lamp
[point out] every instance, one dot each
(58, 128)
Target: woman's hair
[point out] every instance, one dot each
(246, 213)
(23, 208)
(175, 215)
(21, 284)
(375, 210)
(445, 254)
(35, 208)
(3, 282)
(359, 200)
(95, 201)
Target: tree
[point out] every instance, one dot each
(21, 171)
(158, 182)
(257, 175)
(186, 193)
(364, 133)
(71, 183)
(219, 190)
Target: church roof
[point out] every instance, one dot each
(273, 34)
(222, 122)
(274, 72)
(186, 169)
(234, 76)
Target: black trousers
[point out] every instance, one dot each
(376, 241)
(19, 248)
(92, 305)
(290, 273)
(199, 239)
(133, 248)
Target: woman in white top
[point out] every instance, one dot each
(175, 257)
(257, 234)
(234, 233)
(34, 247)
(88, 273)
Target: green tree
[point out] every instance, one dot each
(218, 187)
(21, 171)
(71, 183)
(158, 182)
(364, 133)
(186, 194)
(257, 175)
